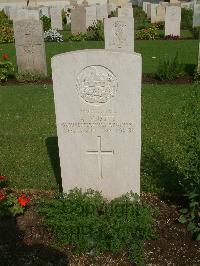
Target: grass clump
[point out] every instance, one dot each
(92, 224)
(169, 69)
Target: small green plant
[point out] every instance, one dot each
(113, 14)
(138, 13)
(169, 69)
(197, 77)
(90, 223)
(76, 38)
(11, 205)
(186, 19)
(191, 215)
(27, 76)
(150, 33)
(6, 29)
(95, 32)
(6, 68)
(46, 23)
(190, 165)
(196, 32)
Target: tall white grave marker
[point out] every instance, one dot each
(98, 116)
(173, 20)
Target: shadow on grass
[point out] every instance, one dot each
(53, 151)
(189, 69)
(164, 173)
(14, 251)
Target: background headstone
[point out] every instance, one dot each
(30, 48)
(125, 12)
(149, 10)
(102, 12)
(98, 116)
(160, 15)
(196, 16)
(78, 20)
(153, 12)
(119, 34)
(91, 15)
(172, 20)
(56, 18)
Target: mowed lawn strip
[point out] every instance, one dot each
(28, 134)
(152, 51)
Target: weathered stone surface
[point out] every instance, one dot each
(98, 115)
(160, 16)
(78, 20)
(56, 18)
(119, 34)
(196, 16)
(102, 12)
(29, 44)
(125, 12)
(153, 12)
(172, 20)
(91, 15)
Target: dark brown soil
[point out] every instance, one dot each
(24, 241)
(146, 79)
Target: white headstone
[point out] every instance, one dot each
(102, 12)
(153, 12)
(119, 34)
(98, 116)
(160, 15)
(125, 12)
(56, 18)
(172, 20)
(144, 6)
(44, 11)
(196, 16)
(111, 8)
(22, 13)
(91, 15)
(29, 44)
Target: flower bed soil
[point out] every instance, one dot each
(24, 241)
(146, 79)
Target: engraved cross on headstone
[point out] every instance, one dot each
(99, 152)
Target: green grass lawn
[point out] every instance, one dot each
(152, 51)
(28, 135)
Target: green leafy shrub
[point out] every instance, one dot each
(169, 69)
(150, 33)
(138, 12)
(6, 68)
(46, 23)
(186, 19)
(160, 25)
(189, 166)
(196, 32)
(191, 215)
(90, 223)
(197, 77)
(142, 24)
(11, 205)
(76, 38)
(113, 14)
(96, 32)
(28, 76)
(6, 29)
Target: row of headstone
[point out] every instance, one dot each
(170, 14)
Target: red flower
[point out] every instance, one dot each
(2, 195)
(23, 200)
(5, 56)
(2, 178)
